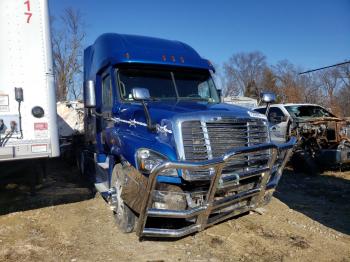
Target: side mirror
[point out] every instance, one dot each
(142, 94)
(268, 97)
(89, 94)
(139, 93)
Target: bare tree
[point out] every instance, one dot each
(311, 89)
(293, 87)
(67, 44)
(286, 75)
(343, 93)
(344, 74)
(269, 81)
(343, 99)
(243, 74)
(329, 80)
(248, 74)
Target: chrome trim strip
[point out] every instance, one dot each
(231, 199)
(153, 212)
(133, 122)
(159, 232)
(206, 139)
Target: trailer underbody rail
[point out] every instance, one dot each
(214, 210)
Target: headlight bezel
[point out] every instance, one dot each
(147, 159)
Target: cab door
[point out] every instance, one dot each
(278, 124)
(104, 106)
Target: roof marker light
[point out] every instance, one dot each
(182, 59)
(164, 58)
(127, 55)
(172, 58)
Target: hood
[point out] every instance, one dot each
(130, 132)
(170, 110)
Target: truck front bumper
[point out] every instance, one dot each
(213, 209)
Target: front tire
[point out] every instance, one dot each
(123, 215)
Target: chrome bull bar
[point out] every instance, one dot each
(203, 212)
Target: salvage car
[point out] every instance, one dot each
(323, 138)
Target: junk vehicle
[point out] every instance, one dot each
(28, 123)
(169, 158)
(323, 138)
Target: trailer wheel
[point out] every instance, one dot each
(123, 215)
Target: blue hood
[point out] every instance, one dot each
(130, 132)
(160, 110)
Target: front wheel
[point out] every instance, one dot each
(123, 215)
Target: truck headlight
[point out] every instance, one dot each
(148, 159)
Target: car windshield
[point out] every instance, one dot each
(168, 85)
(308, 111)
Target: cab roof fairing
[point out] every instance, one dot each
(113, 49)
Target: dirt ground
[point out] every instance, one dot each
(308, 220)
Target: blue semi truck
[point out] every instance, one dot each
(167, 156)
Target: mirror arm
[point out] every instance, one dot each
(92, 112)
(150, 125)
(96, 114)
(267, 109)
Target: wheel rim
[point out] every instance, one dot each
(117, 204)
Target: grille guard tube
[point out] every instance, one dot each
(202, 212)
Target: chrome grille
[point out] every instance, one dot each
(210, 139)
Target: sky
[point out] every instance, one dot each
(309, 34)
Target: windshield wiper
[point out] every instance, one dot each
(194, 98)
(175, 86)
(154, 98)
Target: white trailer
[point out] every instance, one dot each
(28, 120)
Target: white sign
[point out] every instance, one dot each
(4, 103)
(39, 148)
(41, 130)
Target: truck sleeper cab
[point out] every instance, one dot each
(160, 146)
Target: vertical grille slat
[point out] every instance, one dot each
(193, 141)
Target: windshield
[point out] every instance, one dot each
(169, 85)
(308, 111)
